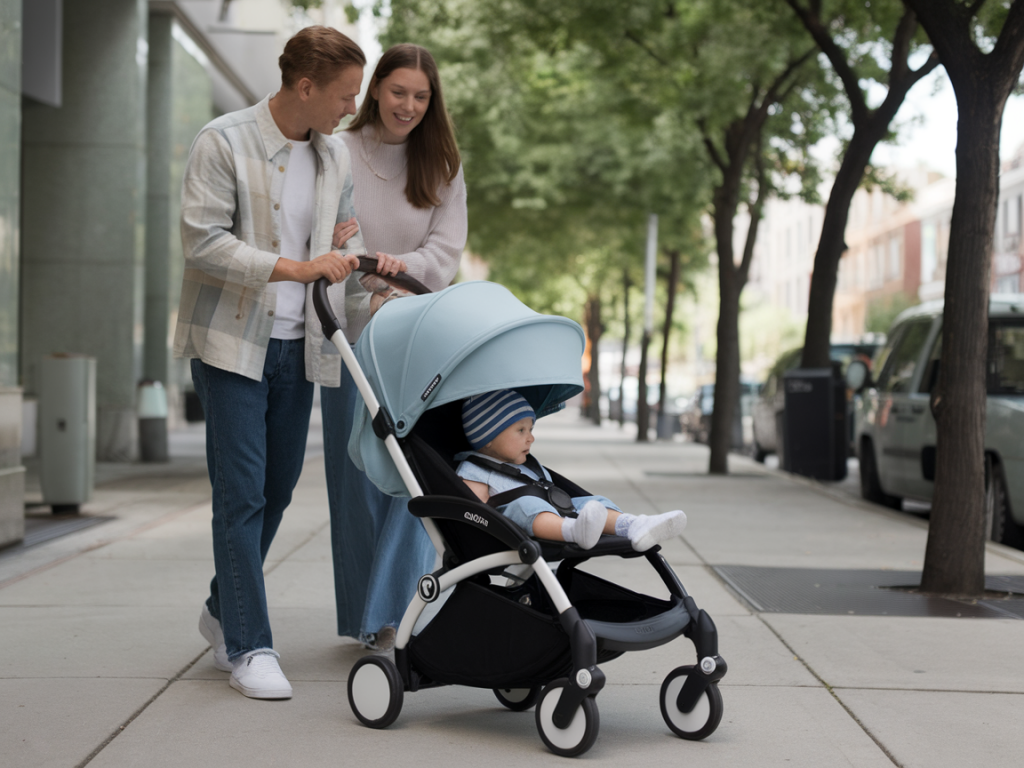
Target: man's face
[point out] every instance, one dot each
(328, 105)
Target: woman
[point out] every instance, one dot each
(410, 198)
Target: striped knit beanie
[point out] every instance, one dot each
(486, 416)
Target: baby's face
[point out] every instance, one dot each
(513, 444)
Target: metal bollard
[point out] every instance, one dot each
(152, 410)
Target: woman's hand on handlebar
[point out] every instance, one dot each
(389, 265)
(343, 230)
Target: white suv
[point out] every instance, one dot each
(894, 431)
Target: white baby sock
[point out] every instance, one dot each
(644, 531)
(585, 530)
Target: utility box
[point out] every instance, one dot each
(67, 430)
(815, 423)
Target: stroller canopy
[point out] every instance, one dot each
(424, 351)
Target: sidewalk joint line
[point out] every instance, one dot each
(760, 618)
(832, 692)
(131, 718)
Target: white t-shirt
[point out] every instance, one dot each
(296, 230)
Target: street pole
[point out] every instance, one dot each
(643, 414)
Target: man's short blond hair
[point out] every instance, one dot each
(319, 53)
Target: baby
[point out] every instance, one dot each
(500, 470)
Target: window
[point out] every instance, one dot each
(1008, 284)
(929, 254)
(931, 370)
(899, 364)
(894, 259)
(1006, 357)
(1011, 216)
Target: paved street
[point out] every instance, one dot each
(103, 664)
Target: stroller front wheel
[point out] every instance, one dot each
(518, 699)
(375, 691)
(699, 723)
(582, 731)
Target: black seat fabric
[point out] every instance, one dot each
(430, 450)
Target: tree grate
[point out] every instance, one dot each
(864, 593)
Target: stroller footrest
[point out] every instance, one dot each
(643, 634)
(606, 545)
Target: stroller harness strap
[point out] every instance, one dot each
(542, 488)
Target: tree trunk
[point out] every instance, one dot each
(643, 413)
(592, 315)
(954, 559)
(670, 304)
(833, 243)
(625, 346)
(727, 357)
(727, 372)
(869, 127)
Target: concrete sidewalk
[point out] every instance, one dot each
(102, 663)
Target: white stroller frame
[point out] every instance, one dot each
(567, 716)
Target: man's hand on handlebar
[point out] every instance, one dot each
(334, 266)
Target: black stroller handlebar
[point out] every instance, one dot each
(322, 305)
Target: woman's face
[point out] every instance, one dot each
(403, 98)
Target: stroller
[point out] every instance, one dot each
(542, 632)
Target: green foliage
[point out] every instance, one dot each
(889, 183)
(883, 310)
(562, 164)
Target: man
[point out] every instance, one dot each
(263, 190)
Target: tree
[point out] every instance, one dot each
(730, 72)
(757, 119)
(562, 165)
(849, 35)
(982, 48)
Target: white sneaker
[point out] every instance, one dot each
(258, 676)
(209, 628)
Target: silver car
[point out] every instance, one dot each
(893, 424)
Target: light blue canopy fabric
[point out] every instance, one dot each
(424, 351)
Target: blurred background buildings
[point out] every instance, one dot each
(99, 103)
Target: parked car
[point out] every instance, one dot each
(768, 409)
(895, 430)
(695, 419)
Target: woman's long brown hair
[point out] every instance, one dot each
(431, 150)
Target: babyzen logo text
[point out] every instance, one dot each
(430, 387)
(474, 518)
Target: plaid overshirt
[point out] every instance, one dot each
(231, 238)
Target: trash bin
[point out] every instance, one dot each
(67, 430)
(152, 410)
(814, 423)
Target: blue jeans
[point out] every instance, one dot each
(380, 550)
(255, 443)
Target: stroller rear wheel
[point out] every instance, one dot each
(518, 699)
(699, 723)
(375, 691)
(582, 731)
